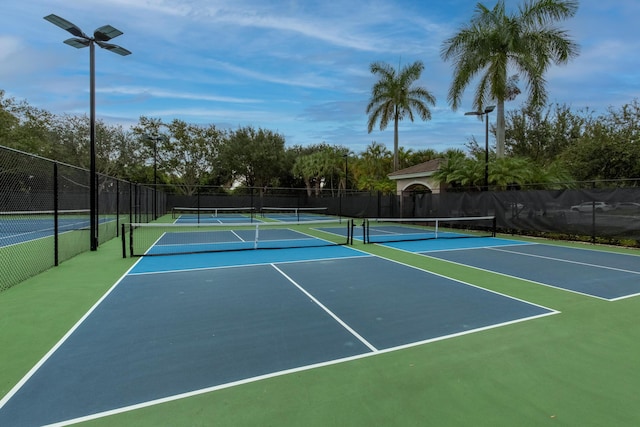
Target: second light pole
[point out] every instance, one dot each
(155, 140)
(485, 113)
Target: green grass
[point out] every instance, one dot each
(576, 368)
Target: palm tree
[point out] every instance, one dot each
(311, 168)
(495, 42)
(393, 98)
(453, 160)
(509, 171)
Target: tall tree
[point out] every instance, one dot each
(495, 42)
(609, 147)
(25, 127)
(542, 135)
(393, 97)
(256, 157)
(190, 154)
(371, 169)
(422, 156)
(313, 168)
(454, 167)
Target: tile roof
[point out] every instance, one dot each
(426, 167)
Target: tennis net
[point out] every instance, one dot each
(215, 213)
(404, 229)
(293, 213)
(148, 239)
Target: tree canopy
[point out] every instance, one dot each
(553, 144)
(394, 97)
(496, 42)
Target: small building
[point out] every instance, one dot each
(418, 178)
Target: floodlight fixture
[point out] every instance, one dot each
(66, 25)
(77, 43)
(81, 40)
(106, 33)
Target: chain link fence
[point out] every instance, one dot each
(45, 212)
(44, 209)
(349, 203)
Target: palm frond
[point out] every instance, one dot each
(495, 42)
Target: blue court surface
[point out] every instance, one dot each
(606, 275)
(15, 231)
(176, 328)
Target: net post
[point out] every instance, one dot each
(198, 198)
(255, 241)
(494, 225)
(252, 205)
(124, 242)
(131, 202)
(131, 240)
(117, 206)
(368, 231)
(436, 230)
(56, 218)
(365, 231)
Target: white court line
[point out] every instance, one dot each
(422, 251)
(511, 276)
(287, 372)
(252, 379)
(185, 270)
(236, 234)
(566, 260)
(553, 311)
(62, 340)
(326, 309)
(261, 377)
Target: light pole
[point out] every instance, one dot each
(100, 36)
(346, 178)
(485, 113)
(155, 140)
(346, 171)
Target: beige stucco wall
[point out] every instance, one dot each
(430, 183)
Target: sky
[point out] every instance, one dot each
(296, 67)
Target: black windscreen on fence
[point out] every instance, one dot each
(609, 213)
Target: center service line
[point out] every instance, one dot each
(337, 319)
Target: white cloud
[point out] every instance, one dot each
(168, 94)
(298, 65)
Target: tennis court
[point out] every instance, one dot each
(21, 227)
(609, 276)
(182, 325)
